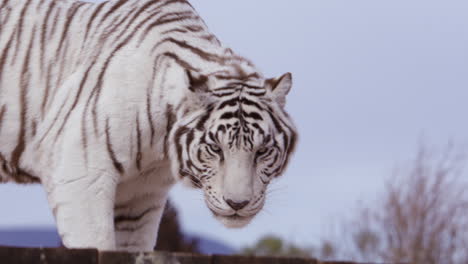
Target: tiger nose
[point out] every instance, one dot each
(237, 205)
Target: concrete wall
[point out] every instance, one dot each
(10, 255)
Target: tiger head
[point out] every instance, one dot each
(233, 142)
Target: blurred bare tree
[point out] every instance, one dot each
(422, 217)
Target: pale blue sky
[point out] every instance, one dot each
(371, 78)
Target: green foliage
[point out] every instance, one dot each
(275, 246)
(327, 250)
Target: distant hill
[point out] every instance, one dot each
(48, 237)
(29, 237)
(210, 246)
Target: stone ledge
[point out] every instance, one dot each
(14, 255)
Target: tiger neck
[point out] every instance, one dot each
(169, 50)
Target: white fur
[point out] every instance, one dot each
(84, 187)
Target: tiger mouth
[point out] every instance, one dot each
(234, 216)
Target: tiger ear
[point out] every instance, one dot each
(280, 87)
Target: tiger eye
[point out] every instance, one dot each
(215, 148)
(262, 151)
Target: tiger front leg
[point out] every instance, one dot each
(81, 192)
(138, 210)
(83, 208)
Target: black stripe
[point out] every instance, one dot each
(25, 79)
(75, 102)
(45, 97)
(225, 94)
(19, 29)
(4, 3)
(179, 30)
(4, 56)
(188, 141)
(178, 134)
(277, 171)
(117, 165)
(86, 108)
(84, 137)
(173, 15)
(21, 176)
(211, 152)
(194, 28)
(248, 85)
(275, 122)
(221, 129)
(33, 128)
(62, 60)
(4, 18)
(291, 133)
(201, 53)
(260, 130)
(275, 157)
(227, 77)
(4, 166)
(252, 115)
(291, 148)
(248, 141)
(54, 121)
(93, 16)
(256, 93)
(180, 61)
(149, 114)
(161, 21)
(135, 218)
(136, 16)
(170, 119)
(210, 38)
(251, 103)
(196, 182)
(42, 44)
(111, 10)
(138, 156)
(228, 88)
(143, 8)
(192, 166)
(55, 23)
(71, 14)
(199, 156)
(2, 114)
(201, 122)
(113, 27)
(40, 4)
(229, 115)
(231, 102)
(212, 137)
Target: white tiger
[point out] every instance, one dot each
(109, 104)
